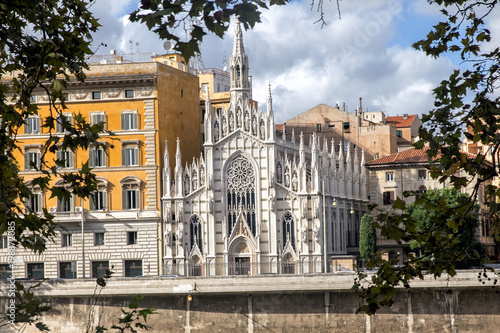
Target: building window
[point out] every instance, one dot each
(288, 230)
(96, 95)
(388, 197)
(129, 120)
(98, 118)
(131, 237)
(66, 240)
(204, 88)
(99, 201)
(65, 159)
(422, 174)
(389, 176)
(32, 125)
(99, 268)
(4, 242)
(129, 93)
(133, 268)
(347, 126)
(33, 98)
(35, 270)
(421, 190)
(98, 238)
(33, 203)
(195, 229)
(182, 93)
(65, 204)
(399, 133)
(241, 190)
(67, 270)
(318, 127)
(97, 158)
(130, 155)
(5, 271)
(63, 122)
(131, 193)
(31, 160)
(131, 199)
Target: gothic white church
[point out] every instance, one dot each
(255, 203)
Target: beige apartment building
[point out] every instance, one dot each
(407, 170)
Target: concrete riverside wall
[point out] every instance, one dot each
(280, 303)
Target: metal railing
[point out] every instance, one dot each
(245, 268)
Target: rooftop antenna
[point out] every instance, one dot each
(168, 46)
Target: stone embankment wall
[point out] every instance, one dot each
(305, 303)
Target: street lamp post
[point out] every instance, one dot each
(83, 241)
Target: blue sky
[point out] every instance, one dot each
(365, 54)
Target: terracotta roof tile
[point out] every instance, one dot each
(279, 127)
(412, 155)
(400, 121)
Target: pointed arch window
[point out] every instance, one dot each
(288, 229)
(241, 193)
(195, 228)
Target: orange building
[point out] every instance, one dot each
(144, 104)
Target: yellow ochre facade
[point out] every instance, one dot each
(143, 104)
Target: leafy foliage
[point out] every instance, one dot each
(165, 16)
(28, 308)
(43, 45)
(445, 226)
(367, 238)
(465, 104)
(133, 319)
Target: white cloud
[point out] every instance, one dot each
(308, 65)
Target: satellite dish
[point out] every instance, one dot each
(224, 69)
(103, 62)
(168, 46)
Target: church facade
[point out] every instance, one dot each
(254, 203)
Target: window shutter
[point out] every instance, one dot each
(136, 156)
(71, 157)
(69, 118)
(136, 121)
(124, 157)
(123, 121)
(105, 200)
(26, 161)
(124, 199)
(137, 194)
(38, 207)
(59, 127)
(91, 158)
(58, 155)
(26, 127)
(392, 196)
(92, 201)
(104, 160)
(36, 128)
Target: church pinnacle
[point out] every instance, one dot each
(239, 63)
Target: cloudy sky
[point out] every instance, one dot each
(367, 53)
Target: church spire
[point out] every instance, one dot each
(239, 64)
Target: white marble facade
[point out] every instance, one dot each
(254, 203)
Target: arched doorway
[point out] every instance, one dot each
(241, 257)
(288, 264)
